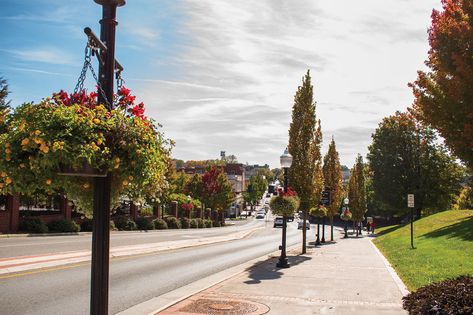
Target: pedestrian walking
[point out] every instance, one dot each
(368, 227)
(373, 225)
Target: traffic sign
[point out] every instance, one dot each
(410, 200)
(325, 200)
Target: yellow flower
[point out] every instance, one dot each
(22, 165)
(37, 132)
(44, 148)
(3, 174)
(86, 186)
(8, 180)
(96, 121)
(7, 158)
(130, 177)
(25, 141)
(21, 127)
(99, 141)
(48, 182)
(125, 183)
(7, 145)
(38, 140)
(7, 151)
(94, 146)
(1, 185)
(117, 160)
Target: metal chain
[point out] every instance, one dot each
(83, 74)
(120, 83)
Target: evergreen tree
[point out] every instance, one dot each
(333, 179)
(305, 138)
(4, 104)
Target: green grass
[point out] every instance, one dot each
(443, 248)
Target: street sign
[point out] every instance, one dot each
(325, 200)
(410, 200)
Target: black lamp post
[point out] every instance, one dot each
(102, 185)
(317, 241)
(345, 201)
(286, 161)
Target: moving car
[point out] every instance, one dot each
(278, 222)
(300, 224)
(260, 215)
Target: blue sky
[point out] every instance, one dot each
(221, 75)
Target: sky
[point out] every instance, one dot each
(221, 75)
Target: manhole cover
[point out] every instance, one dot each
(224, 307)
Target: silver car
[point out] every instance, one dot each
(300, 224)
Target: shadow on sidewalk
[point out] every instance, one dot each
(268, 270)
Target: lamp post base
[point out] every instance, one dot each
(283, 263)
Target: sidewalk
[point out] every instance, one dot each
(346, 277)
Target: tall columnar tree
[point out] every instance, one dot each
(357, 192)
(405, 158)
(443, 95)
(333, 179)
(305, 137)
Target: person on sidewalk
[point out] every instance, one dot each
(368, 227)
(373, 225)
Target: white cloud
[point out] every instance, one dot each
(236, 73)
(50, 55)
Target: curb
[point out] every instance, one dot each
(164, 301)
(401, 286)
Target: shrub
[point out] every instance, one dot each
(125, 224)
(63, 226)
(208, 223)
(216, 224)
(452, 296)
(200, 223)
(33, 225)
(86, 225)
(173, 223)
(146, 211)
(160, 224)
(185, 223)
(112, 226)
(193, 224)
(144, 224)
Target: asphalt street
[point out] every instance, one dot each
(133, 279)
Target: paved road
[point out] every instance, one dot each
(135, 279)
(23, 246)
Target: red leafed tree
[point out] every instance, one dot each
(217, 190)
(444, 95)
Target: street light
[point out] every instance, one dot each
(286, 161)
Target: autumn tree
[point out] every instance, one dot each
(357, 192)
(305, 137)
(217, 190)
(443, 95)
(333, 179)
(405, 158)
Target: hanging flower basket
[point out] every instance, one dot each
(319, 211)
(70, 134)
(346, 215)
(284, 205)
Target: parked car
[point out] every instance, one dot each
(268, 195)
(260, 215)
(300, 224)
(278, 222)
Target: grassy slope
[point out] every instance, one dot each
(444, 248)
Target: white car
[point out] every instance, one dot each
(300, 225)
(260, 215)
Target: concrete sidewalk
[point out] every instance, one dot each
(347, 277)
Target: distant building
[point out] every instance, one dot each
(236, 176)
(251, 170)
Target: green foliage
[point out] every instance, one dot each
(63, 226)
(193, 224)
(33, 225)
(444, 247)
(284, 205)
(112, 226)
(4, 104)
(200, 223)
(305, 137)
(333, 178)
(125, 224)
(404, 158)
(173, 223)
(44, 138)
(465, 199)
(319, 212)
(256, 187)
(144, 224)
(208, 223)
(160, 224)
(453, 296)
(216, 223)
(146, 211)
(357, 191)
(185, 223)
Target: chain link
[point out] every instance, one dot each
(83, 74)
